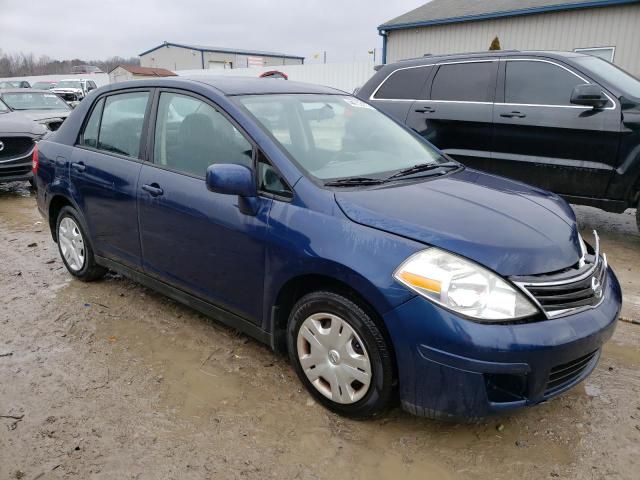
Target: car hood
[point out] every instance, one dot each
(507, 226)
(17, 122)
(66, 90)
(37, 115)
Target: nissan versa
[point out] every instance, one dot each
(315, 223)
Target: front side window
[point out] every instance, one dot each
(121, 125)
(335, 136)
(404, 84)
(539, 83)
(34, 101)
(465, 82)
(191, 135)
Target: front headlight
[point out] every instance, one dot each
(463, 286)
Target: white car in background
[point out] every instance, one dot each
(73, 90)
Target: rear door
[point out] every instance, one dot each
(456, 114)
(196, 240)
(104, 173)
(544, 140)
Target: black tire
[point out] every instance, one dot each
(381, 389)
(32, 182)
(90, 270)
(638, 216)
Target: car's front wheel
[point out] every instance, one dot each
(340, 355)
(75, 247)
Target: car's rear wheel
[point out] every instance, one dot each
(638, 215)
(340, 355)
(75, 248)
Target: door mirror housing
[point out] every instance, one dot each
(231, 179)
(588, 95)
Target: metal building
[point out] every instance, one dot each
(174, 56)
(606, 28)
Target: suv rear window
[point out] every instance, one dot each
(404, 84)
(465, 82)
(538, 83)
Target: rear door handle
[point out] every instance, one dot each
(425, 110)
(513, 115)
(78, 166)
(154, 189)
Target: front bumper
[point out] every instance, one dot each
(449, 367)
(16, 169)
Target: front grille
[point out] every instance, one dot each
(571, 290)
(15, 146)
(565, 374)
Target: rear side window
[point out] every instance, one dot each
(122, 120)
(538, 83)
(404, 84)
(191, 135)
(465, 82)
(90, 135)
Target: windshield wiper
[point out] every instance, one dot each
(424, 167)
(354, 181)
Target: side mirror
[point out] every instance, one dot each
(588, 95)
(231, 179)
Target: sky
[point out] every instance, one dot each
(98, 29)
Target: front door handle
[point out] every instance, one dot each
(513, 115)
(154, 189)
(425, 110)
(78, 166)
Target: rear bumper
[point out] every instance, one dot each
(449, 367)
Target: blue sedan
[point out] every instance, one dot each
(311, 221)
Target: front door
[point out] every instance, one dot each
(104, 170)
(194, 239)
(457, 117)
(542, 139)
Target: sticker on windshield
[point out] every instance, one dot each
(354, 102)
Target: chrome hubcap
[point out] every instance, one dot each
(71, 244)
(334, 358)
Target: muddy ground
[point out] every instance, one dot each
(112, 381)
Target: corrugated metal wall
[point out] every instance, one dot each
(617, 26)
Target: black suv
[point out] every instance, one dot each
(566, 122)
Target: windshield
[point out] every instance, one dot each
(335, 136)
(43, 85)
(69, 84)
(3, 107)
(627, 83)
(34, 101)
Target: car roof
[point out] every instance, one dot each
(236, 85)
(495, 53)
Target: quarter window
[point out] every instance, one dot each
(468, 82)
(539, 83)
(191, 135)
(90, 134)
(122, 120)
(404, 84)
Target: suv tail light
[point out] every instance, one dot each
(35, 163)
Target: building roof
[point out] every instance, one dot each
(146, 71)
(203, 48)
(438, 12)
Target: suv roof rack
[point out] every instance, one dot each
(480, 52)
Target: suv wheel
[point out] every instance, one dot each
(340, 355)
(74, 247)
